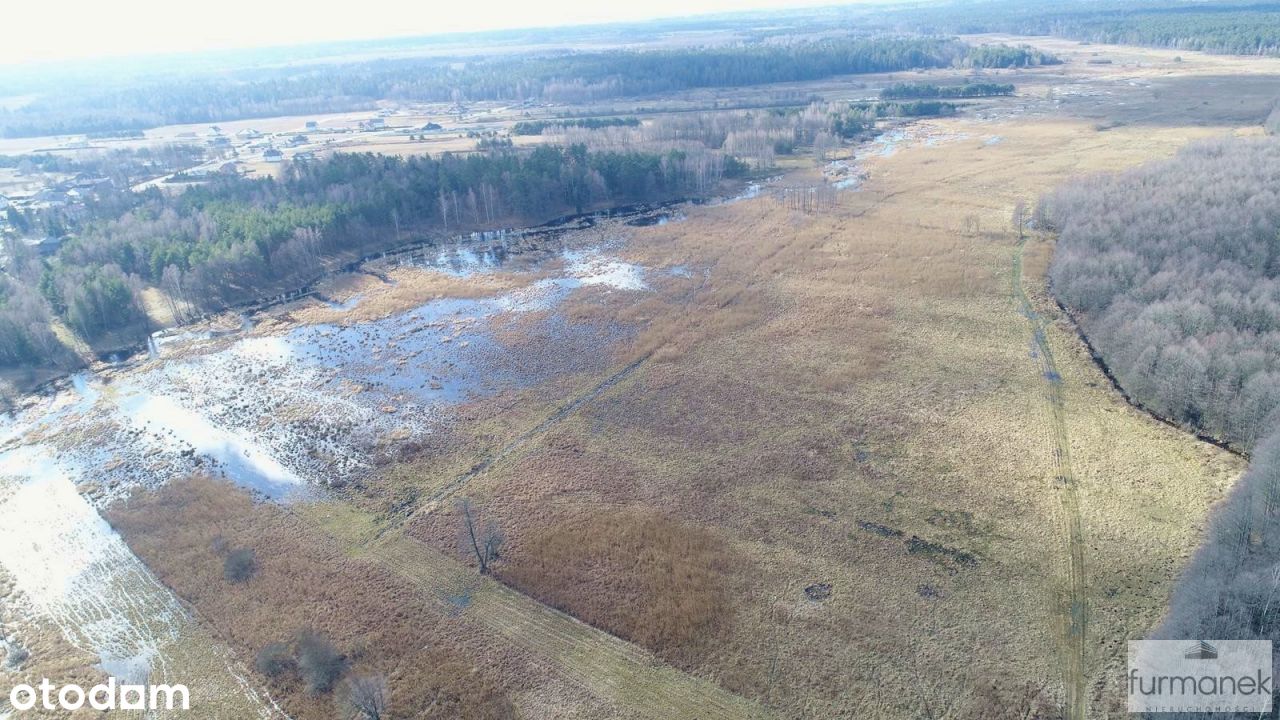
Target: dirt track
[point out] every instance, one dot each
(612, 669)
(1070, 601)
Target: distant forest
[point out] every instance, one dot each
(570, 77)
(238, 240)
(1007, 56)
(1173, 270)
(123, 103)
(1218, 27)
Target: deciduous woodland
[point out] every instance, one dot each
(1173, 271)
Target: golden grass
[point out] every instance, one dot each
(642, 577)
(409, 288)
(849, 399)
(305, 581)
(844, 399)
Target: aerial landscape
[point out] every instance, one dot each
(877, 361)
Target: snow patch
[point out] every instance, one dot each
(595, 269)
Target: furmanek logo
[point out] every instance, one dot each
(1200, 676)
(107, 696)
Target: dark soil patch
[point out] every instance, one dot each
(818, 592)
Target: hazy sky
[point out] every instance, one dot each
(63, 29)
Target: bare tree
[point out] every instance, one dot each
(481, 538)
(6, 400)
(366, 698)
(823, 143)
(1020, 218)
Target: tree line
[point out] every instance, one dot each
(756, 137)
(1240, 28)
(1173, 271)
(916, 91)
(567, 77)
(905, 108)
(1008, 56)
(536, 127)
(237, 240)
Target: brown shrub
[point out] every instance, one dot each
(659, 583)
(239, 565)
(306, 587)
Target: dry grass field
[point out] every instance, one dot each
(854, 400)
(850, 464)
(304, 582)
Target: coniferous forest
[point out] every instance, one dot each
(1238, 28)
(237, 240)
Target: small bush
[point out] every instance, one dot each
(319, 662)
(274, 660)
(239, 565)
(17, 655)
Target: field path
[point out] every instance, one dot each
(610, 668)
(1070, 602)
(563, 411)
(436, 499)
(615, 670)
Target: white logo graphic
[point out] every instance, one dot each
(107, 696)
(1200, 676)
